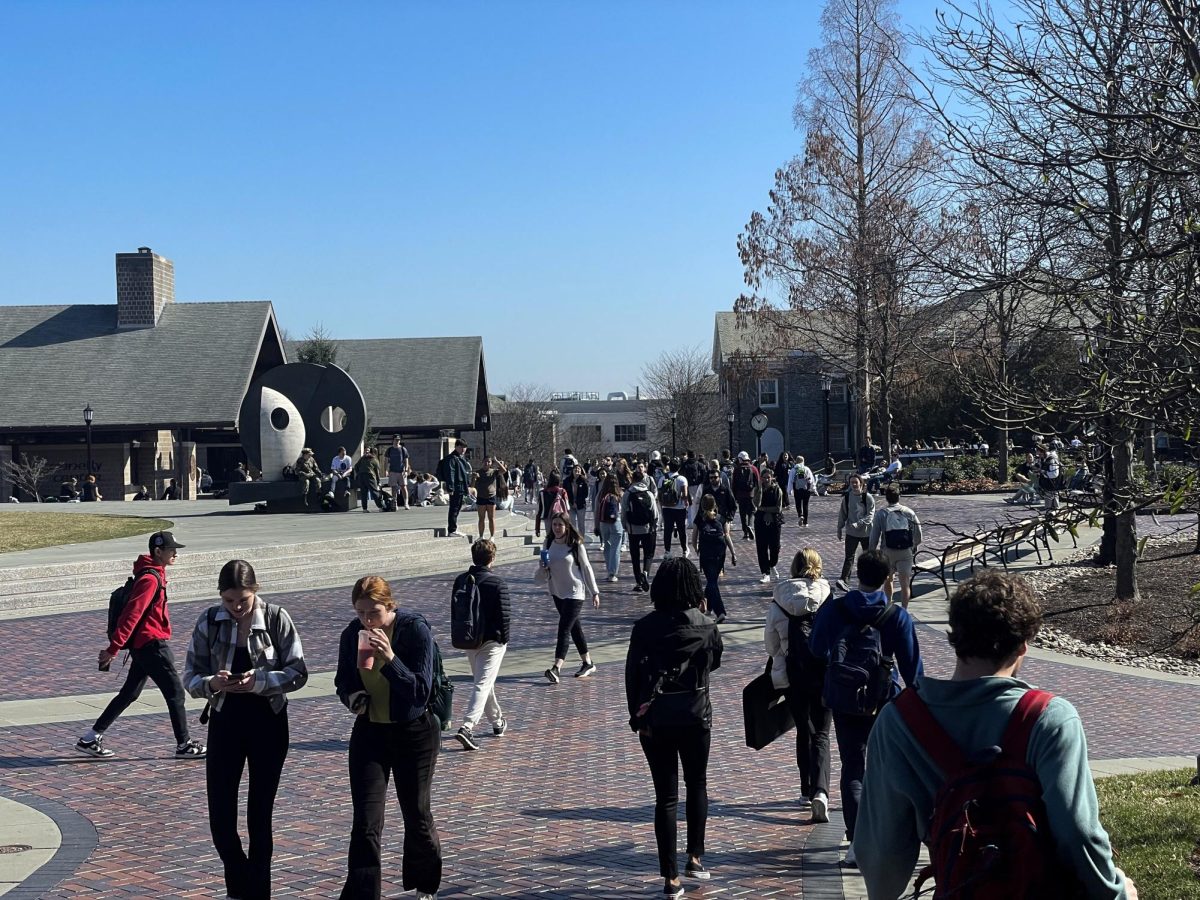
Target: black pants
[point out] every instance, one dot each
(852, 733)
(569, 627)
(456, 502)
(370, 492)
(852, 545)
(802, 504)
(766, 540)
(746, 511)
(245, 732)
(154, 661)
(813, 722)
(639, 545)
(406, 752)
(712, 584)
(665, 749)
(674, 520)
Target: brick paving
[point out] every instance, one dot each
(560, 806)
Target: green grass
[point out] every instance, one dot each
(30, 530)
(1154, 823)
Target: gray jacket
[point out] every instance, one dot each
(648, 486)
(855, 513)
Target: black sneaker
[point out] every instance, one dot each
(673, 891)
(585, 670)
(500, 727)
(841, 585)
(695, 870)
(93, 748)
(464, 738)
(191, 750)
(551, 675)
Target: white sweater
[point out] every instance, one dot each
(568, 580)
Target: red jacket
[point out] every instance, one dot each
(132, 629)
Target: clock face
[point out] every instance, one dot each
(759, 422)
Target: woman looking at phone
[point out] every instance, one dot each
(244, 658)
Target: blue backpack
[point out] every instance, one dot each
(858, 680)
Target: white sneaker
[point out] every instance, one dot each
(766, 579)
(775, 572)
(613, 579)
(820, 807)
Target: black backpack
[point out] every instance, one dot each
(712, 539)
(641, 508)
(668, 492)
(803, 666)
(743, 480)
(858, 680)
(441, 692)
(119, 598)
(466, 614)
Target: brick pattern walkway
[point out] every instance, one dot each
(560, 806)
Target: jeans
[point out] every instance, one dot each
(674, 521)
(802, 504)
(665, 749)
(610, 540)
(485, 666)
(766, 541)
(407, 752)
(456, 502)
(640, 544)
(813, 722)
(154, 661)
(578, 516)
(746, 511)
(568, 626)
(244, 732)
(712, 584)
(852, 733)
(852, 545)
(695, 491)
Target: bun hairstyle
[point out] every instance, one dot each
(375, 589)
(237, 574)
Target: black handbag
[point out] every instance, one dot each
(764, 711)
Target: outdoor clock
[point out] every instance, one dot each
(759, 421)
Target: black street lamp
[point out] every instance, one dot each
(826, 386)
(483, 421)
(88, 413)
(730, 418)
(672, 432)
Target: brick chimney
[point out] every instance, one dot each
(145, 284)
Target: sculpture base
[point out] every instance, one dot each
(283, 497)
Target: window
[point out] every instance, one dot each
(629, 433)
(839, 393)
(838, 438)
(768, 392)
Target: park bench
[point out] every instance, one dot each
(922, 477)
(945, 562)
(1009, 538)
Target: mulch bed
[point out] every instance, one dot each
(1163, 621)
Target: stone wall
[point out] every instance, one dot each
(145, 285)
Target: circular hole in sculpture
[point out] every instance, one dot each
(333, 419)
(280, 418)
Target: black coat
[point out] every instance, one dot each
(662, 642)
(493, 603)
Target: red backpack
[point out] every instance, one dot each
(988, 834)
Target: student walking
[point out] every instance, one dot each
(454, 472)
(801, 485)
(385, 680)
(608, 524)
(768, 525)
(552, 499)
(801, 675)
(577, 495)
(745, 482)
(244, 658)
(397, 464)
(568, 576)
(639, 520)
(672, 651)
(896, 530)
(144, 627)
(710, 538)
(532, 477)
(485, 659)
(673, 500)
(855, 514)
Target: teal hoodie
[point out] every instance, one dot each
(901, 780)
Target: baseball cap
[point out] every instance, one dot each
(743, 455)
(162, 539)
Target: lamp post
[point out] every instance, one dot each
(88, 413)
(852, 415)
(826, 386)
(730, 418)
(672, 432)
(483, 422)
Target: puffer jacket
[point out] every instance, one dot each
(795, 597)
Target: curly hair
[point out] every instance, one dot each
(676, 585)
(374, 589)
(992, 615)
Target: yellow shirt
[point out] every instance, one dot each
(378, 688)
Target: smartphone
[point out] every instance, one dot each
(239, 676)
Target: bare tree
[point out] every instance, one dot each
(684, 381)
(29, 473)
(523, 426)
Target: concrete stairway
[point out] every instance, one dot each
(69, 586)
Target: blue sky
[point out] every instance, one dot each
(566, 179)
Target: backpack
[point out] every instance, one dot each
(670, 702)
(610, 509)
(119, 598)
(897, 531)
(466, 614)
(858, 679)
(554, 500)
(712, 539)
(641, 508)
(530, 476)
(743, 480)
(803, 666)
(668, 492)
(441, 691)
(988, 834)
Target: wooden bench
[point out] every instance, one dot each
(964, 550)
(1008, 538)
(922, 477)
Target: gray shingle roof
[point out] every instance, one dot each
(192, 368)
(416, 384)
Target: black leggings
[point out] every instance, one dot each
(813, 722)
(665, 749)
(766, 541)
(802, 504)
(153, 660)
(568, 626)
(245, 731)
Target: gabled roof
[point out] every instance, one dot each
(416, 384)
(192, 368)
(768, 335)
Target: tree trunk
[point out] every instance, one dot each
(1107, 554)
(1002, 454)
(1126, 520)
(1148, 453)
